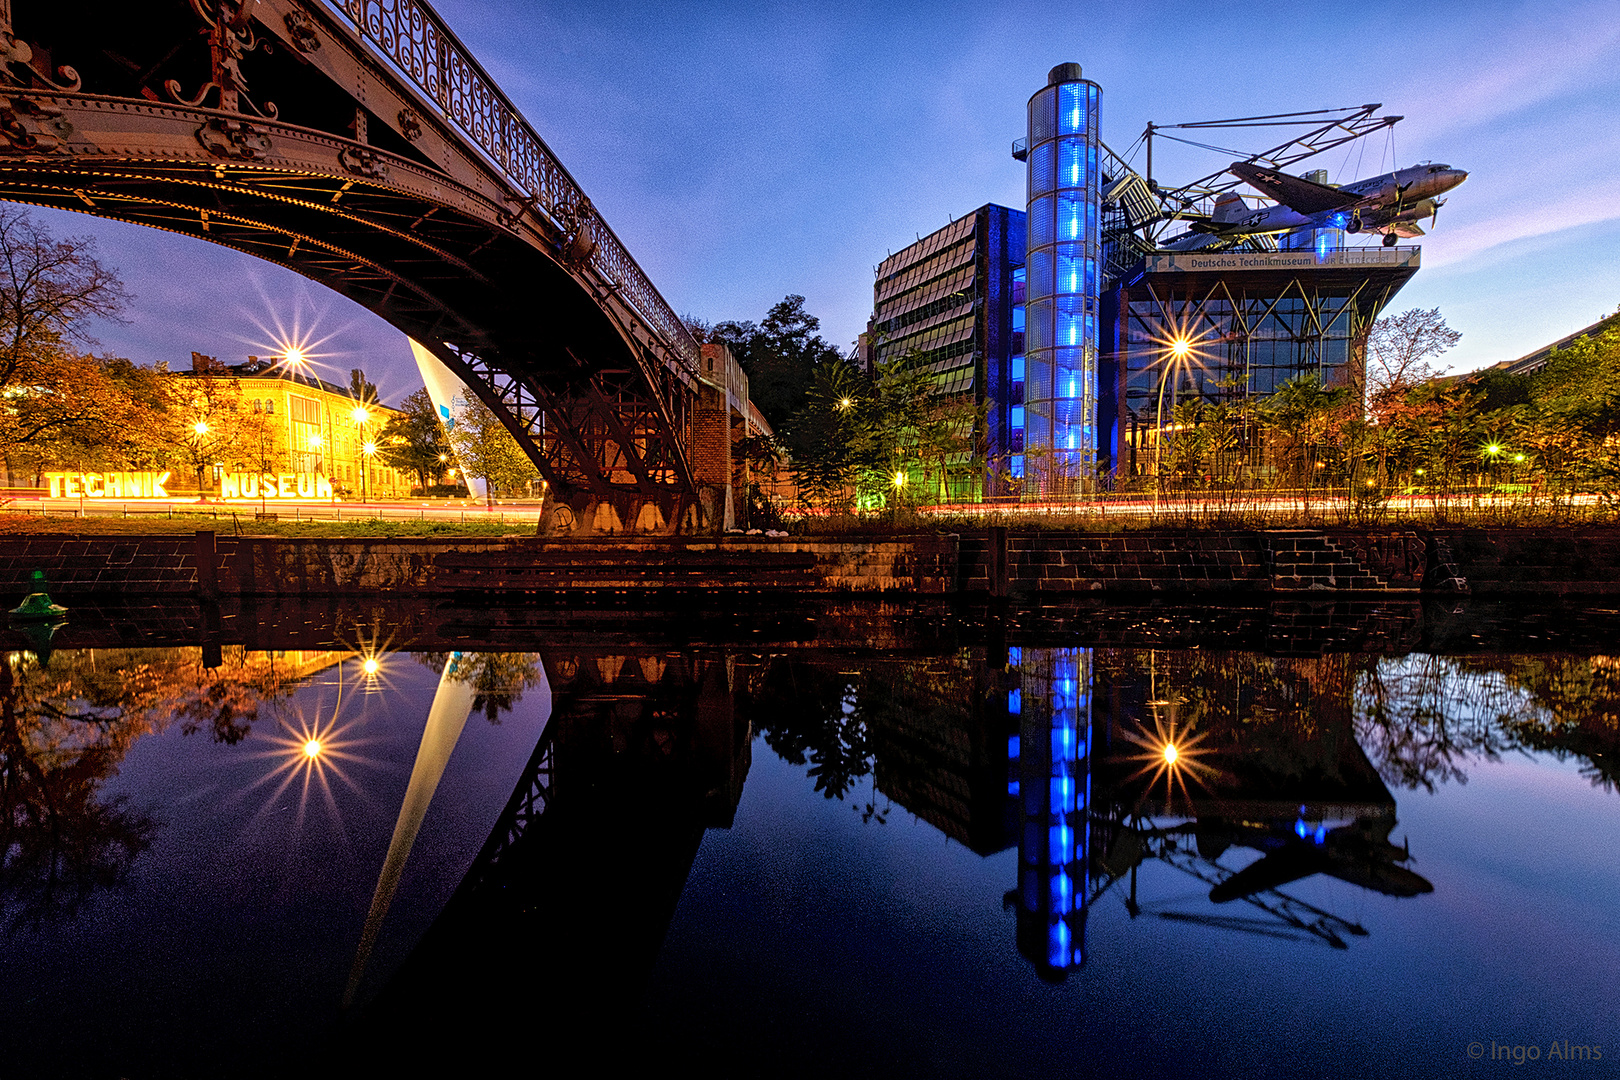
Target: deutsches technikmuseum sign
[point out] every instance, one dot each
(150, 485)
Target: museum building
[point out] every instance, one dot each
(316, 427)
(1080, 344)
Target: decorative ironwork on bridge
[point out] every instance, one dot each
(359, 143)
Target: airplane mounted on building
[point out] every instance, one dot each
(1391, 204)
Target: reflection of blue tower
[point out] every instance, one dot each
(1050, 774)
(1060, 391)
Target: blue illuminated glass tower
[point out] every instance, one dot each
(1060, 377)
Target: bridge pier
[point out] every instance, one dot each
(721, 417)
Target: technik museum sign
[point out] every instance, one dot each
(150, 485)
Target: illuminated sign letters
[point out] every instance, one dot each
(112, 485)
(150, 485)
(274, 486)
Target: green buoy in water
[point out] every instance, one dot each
(37, 607)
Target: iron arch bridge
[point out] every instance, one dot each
(358, 143)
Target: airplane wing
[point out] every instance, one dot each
(1269, 872)
(1293, 192)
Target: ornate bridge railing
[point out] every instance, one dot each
(417, 44)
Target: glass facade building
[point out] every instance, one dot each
(955, 298)
(1060, 362)
(1229, 328)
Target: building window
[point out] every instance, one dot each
(305, 421)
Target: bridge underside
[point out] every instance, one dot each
(393, 209)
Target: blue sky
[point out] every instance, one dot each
(744, 152)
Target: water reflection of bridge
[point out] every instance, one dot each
(559, 919)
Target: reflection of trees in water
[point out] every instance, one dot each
(1421, 718)
(1285, 717)
(811, 714)
(498, 679)
(64, 730)
(837, 721)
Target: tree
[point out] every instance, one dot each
(1301, 414)
(1400, 346)
(488, 452)
(416, 442)
(208, 421)
(361, 389)
(780, 355)
(48, 289)
(65, 420)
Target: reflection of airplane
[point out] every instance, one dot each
(1391, 204)
(1359, 853)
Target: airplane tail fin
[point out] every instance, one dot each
(1229, 208)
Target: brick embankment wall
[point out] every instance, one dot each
(274, 566)
(1277, 565)
(1294, 562)
(1538, 562)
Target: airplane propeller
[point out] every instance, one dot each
(1438, 203)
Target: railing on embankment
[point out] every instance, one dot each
(992, 563)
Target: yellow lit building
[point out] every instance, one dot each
(317, 427)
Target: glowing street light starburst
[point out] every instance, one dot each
(1171, 753)
(308, 755)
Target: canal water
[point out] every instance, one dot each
(1017, 849)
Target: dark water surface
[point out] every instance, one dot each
(877, 842)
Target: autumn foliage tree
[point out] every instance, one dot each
(488, 452)
(49, 289)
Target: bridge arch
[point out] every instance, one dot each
(360, 145)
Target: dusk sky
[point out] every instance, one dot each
(743, 152)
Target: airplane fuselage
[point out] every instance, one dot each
(1380, 201)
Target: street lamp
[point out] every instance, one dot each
(200, 429)
(1180, 348)
(369, 449)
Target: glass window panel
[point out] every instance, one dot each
(1070, 162)
(1071, 107)
(1017, 366)
(1042, 108)
(1018, 317)
(1015, 418)
(1071, 215)
(1040, 221)
(1040, 168)
(1038, 331)
(1038, 383)
(1067, 366)
(1040, 273)
(1069, 325)
(1069, 269)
